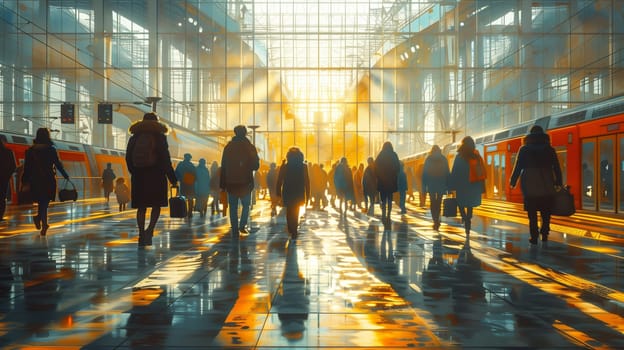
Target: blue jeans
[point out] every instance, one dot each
(233, 203)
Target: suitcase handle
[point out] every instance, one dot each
(177, 191)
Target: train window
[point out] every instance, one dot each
(20, 139)
(571, 118)
(501, 135)
(104, 151)
(114, 153)
(608, 110)
(74, 148)
(519, 131)
(3, 138)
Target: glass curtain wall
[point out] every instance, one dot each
(334, 77)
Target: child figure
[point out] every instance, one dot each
(122, 192)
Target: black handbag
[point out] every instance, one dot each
(449, 205)
(24, 195)
(563, 202)
(68, 194)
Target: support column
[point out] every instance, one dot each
(155, 63)
(102, 45)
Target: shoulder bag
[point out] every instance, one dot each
(68, 194)
(563, 202)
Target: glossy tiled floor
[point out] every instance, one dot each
(346, 283)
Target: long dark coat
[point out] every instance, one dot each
(537, 166)
(149, 185)
(387, 166)
(40, 165)
(369, 181)
(293, 182)
(468, 193)
(435, 173)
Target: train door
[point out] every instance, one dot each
(606, 154)
(587, 174)
(599, 174)
(496, 176)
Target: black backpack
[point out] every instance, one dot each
(144, 152)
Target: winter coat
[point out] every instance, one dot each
(108, 176)
(387, 171)
(122, 192)
(238, 162)
(202, 181)
(8, 160)
(40, 165)
(369, 181)
(293, 183)
(435, 174)
(149, 184)
(214, 179)
(537, 166)
(468, 193)
(343, 181)
(272, 181)
(187, 175)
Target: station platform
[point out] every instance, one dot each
(345, 283)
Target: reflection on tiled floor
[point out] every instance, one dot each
(346, 283)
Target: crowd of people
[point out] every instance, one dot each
(239, 181)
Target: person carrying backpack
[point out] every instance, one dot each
(149, 163)
(467, 178)
(238, 162)
(434, 181)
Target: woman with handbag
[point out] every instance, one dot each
(467, 179)
(40, 165)
(539, 171)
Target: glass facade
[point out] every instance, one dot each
(337, 78)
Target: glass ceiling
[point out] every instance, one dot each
(306, 39)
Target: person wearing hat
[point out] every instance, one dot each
(239, 161)
(186, 173)
(538, 169)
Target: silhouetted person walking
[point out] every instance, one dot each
(122, 192)
(369, 186)
(539, 171)
(149, 163)
(239, 161)
(293, 185)
(41, 163)
(186, 173)
(108, 176)
(387, 166)
(202, 187)
(468, 180)
(434, 181)
(7, 159)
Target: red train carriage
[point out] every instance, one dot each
(589, 142)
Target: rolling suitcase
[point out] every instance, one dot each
(177, 204)
(449, 207)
